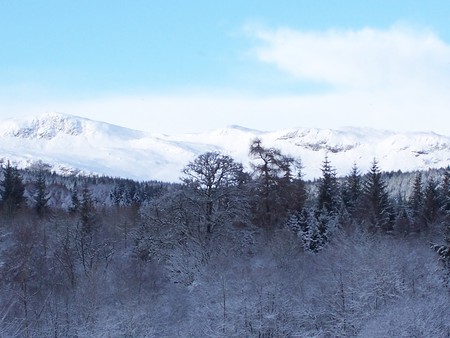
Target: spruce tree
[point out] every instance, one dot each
(352, 189)
(445, 193)
(273, 174)
(416, 198)
(310, 230)
(432, 203)
(328, 194)
(41, 198)
(12, 189)
(86, 210)
(375, 201)
(74, 200)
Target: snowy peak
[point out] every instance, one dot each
(45, 126)
(74, 144)
(52, 125)
(314, 139)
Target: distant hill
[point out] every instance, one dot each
(72, 144)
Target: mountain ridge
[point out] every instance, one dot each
(71, 144)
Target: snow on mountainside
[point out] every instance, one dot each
(72, 144)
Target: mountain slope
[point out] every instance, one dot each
(72, 144)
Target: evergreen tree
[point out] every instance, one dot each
(328, 193)
(274, 174)
(432, 203)
(12, 189)
(86, 210)
(445, 193)
(41, 198)
(293, 222)
(416, 198)
(403, 221)
(375, 200)
(74, 200)
(352, 189)
(310, 230)
(295, 190)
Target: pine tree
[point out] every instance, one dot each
(273, 174)
(375, 201)
(352, 189)
(12, 189)
(74, 200)
(86, 210)
(416, 198)
(328, 193)
(295, 190)
(445, 193)
(311, 230)
(41, 198)
(432, 203)
(293, 222)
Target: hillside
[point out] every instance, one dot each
(71, 144)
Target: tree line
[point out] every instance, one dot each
(226, 252)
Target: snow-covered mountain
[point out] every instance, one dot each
(72, 144)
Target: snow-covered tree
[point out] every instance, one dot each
(41, 196)
(11, 189)
(328, 190)
(416, 198)
(214, 181)
(431, 211)
(278, 184)
(310, 228)
(445, 193)
(352, 189)
(375, 201)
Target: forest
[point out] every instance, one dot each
(227, 251)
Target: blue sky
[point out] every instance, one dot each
(187, 66)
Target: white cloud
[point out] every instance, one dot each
(365, 58)
(197, 112)
(392, 79)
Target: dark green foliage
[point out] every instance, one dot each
(130, 193)
(74, 200)
(352, 189)
(87, 210)
(375, 201)
(41, 197)
(310, 227)
(416, 198)
(328, 192)
(432, 203)
(12, 189)
(278, 187)
(131, 270)
(445, 193)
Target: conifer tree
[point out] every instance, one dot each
(41, 198)
(310, 229)
(376, 201)
(74, 200)
(273, 174)
(431, 203)
(445, 193)
(352, 189)
(328, 194)
(86, 210)
(12, 189)
(416, 198)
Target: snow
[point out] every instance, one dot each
(93, 147)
